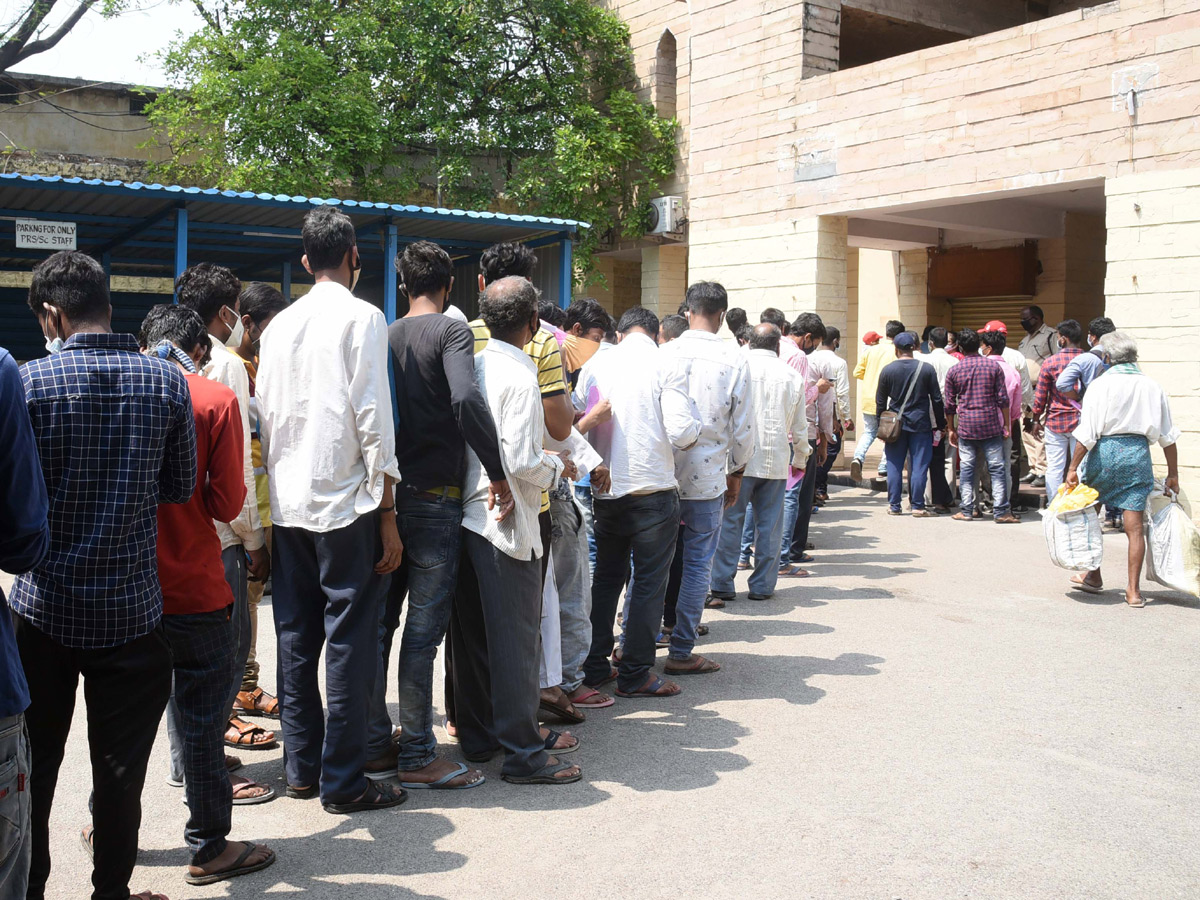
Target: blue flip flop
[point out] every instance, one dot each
(443, 783)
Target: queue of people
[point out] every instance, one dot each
(552, 496)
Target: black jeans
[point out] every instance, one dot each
(674, 580)
(835, 450)
(202, 645)
(808, 489)
(327, 596)
(943, 495)
(647, 527)
(125, 689)
(495, 632)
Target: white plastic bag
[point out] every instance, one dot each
(1172, 546)
(1074, 538)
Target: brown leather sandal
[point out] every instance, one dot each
(257, 703)
(247, 736)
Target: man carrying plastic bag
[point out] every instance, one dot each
(1174, 545)
(1073, 534)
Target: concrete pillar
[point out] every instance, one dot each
(1152, 289)
(820, 271)
(913, 290)
(664, 277)
(822, 24)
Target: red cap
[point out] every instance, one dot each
(995, 325)
(871, 338)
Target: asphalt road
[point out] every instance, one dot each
(932, 715)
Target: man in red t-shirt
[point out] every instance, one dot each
(197, 602)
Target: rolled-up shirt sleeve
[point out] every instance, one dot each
(1168, 434)
(370, 398)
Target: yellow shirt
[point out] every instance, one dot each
(867, 371)
(544, 352)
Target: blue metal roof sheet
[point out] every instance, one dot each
(118, 187)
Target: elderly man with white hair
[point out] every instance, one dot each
(1124, 411)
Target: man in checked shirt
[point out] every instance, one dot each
(116, 437)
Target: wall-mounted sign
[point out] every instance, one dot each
(37, 234)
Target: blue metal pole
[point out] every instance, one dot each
(181, 240)
(391, 244)
(285, 282)
(566, 274)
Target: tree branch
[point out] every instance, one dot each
(44, 44)
(28, 25)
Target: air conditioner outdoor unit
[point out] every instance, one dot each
(666, 215)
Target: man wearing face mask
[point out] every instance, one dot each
(212, 291)
(258, 304)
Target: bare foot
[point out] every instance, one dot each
(437, 770)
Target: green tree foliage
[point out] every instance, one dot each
(502, 104)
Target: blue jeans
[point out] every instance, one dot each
(797, 512)
(234, 560)
(701, 531)
(431, 532)
(766, 497)
(748, 535)
(202, 645)
(1059, 448)
(870, 429)
(920, 445)
(583, 493)
(833, 451)
(645, 527)
(16, 836)
(992, 449)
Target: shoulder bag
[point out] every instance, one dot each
(892, 423)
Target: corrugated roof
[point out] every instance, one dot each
(125, 188)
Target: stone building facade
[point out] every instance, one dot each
(829, 150)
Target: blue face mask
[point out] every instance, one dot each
(53, 345)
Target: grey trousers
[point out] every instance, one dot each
(495, 655)
(234, 560)
(573, 577)
(16, 837)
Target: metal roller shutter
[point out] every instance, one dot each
(976, 313)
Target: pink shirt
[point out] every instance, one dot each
(798, 360)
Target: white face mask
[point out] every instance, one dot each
(53, 345)
(235, 336)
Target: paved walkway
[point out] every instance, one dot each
(931, 716)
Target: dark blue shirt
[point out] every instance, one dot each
(115, 434)
(24, 534)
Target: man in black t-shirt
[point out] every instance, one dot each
(910, 387)
(439, 410)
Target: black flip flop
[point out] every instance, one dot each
(572, 715)
(552, 739)
(374, 798)
(545, 775)
(612, 676)
(233, 871)
(648, 691)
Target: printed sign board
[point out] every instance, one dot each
(36, 234)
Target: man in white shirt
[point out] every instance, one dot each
(212, 291)
(941, 493)
(710, 471)
(777, 399)
(650, 417)
(833, 404)
(329, 447)
(500, 575)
